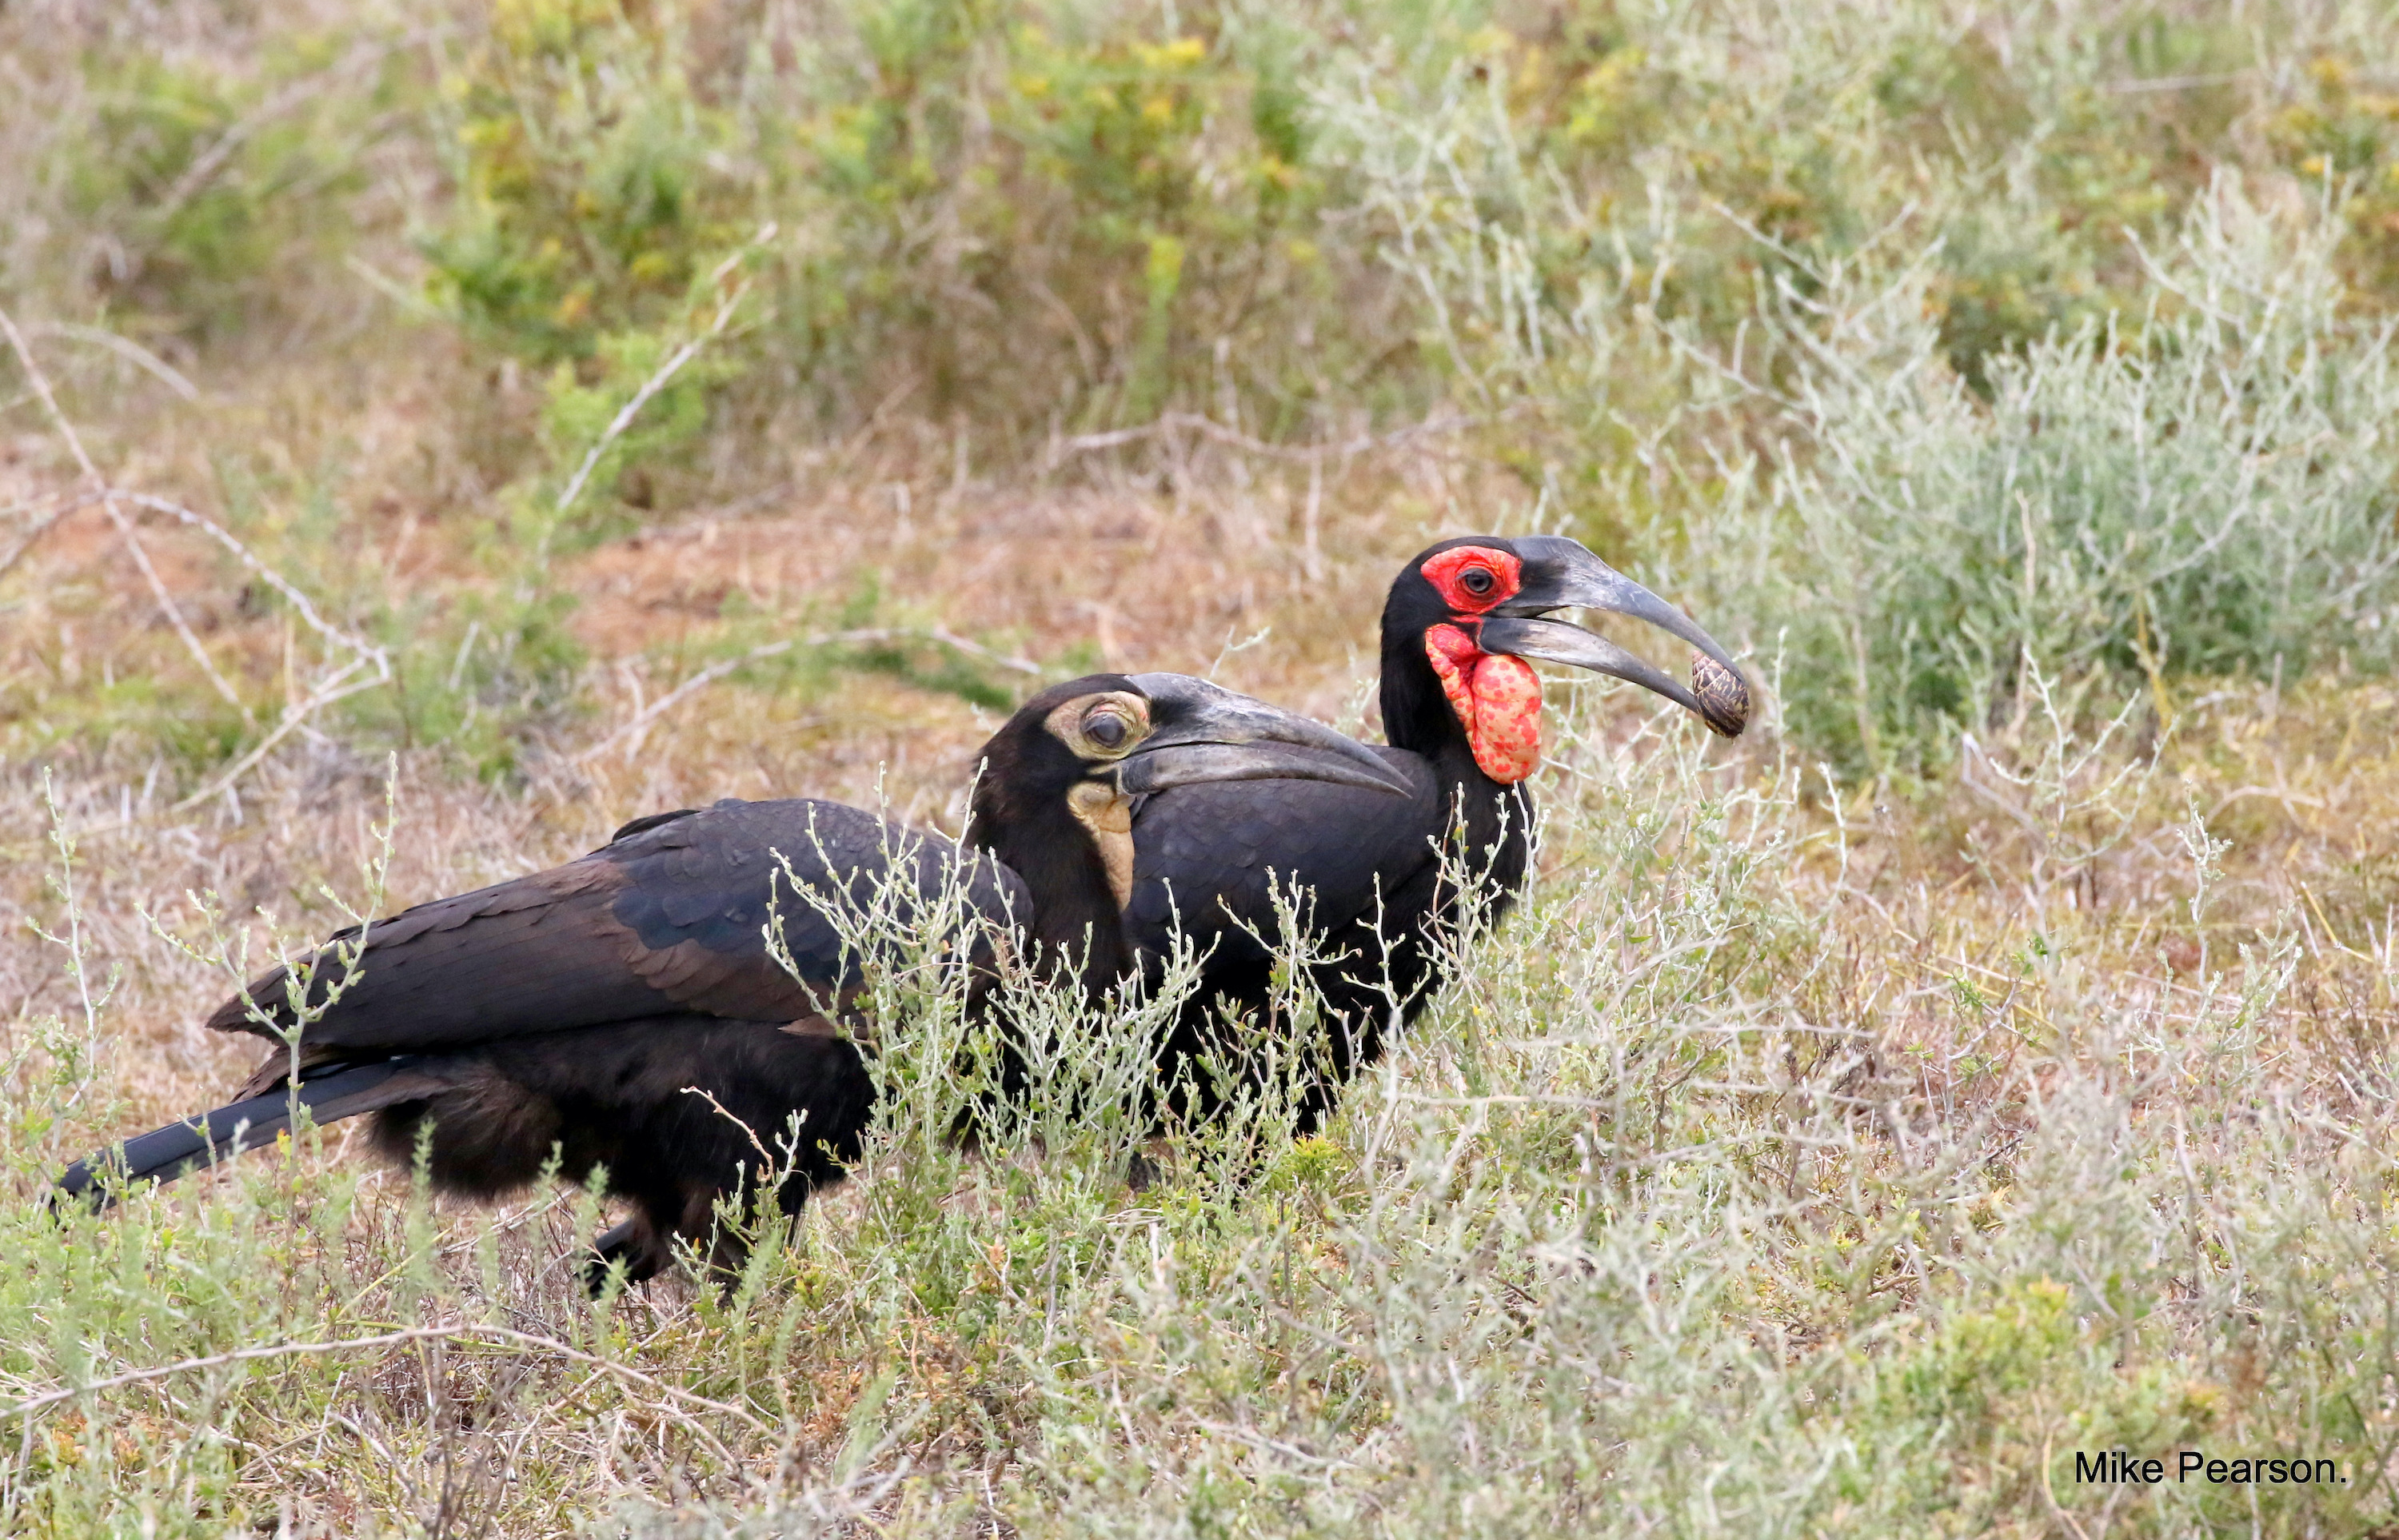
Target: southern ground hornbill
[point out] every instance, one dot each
(583, 1010)
(1462, 710)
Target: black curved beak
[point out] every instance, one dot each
(1206, 733)
(1561, 573)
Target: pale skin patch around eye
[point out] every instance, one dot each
(1066, 724)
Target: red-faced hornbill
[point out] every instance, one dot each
(1462, 710)
(580, 1013)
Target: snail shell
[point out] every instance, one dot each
(1724, 695)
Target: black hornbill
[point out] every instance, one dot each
(585, 1010)
(1462, 710)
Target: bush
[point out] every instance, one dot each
(2202, 491)
(592, 185)
(1706, 1199)
(1039, 215)
(190, 195)
(1975, 378)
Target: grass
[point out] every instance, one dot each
(1984, 1064)
(2203, 490)
(1790, 1165)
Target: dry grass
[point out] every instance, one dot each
(1815, 1153)
(1784, 1030)
(1113, 574)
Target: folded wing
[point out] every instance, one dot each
(671, 916)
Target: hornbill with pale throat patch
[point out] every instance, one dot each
(1462, 710)
(625, 1010)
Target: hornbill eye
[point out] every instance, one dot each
(1477, 581)
(1107, 728)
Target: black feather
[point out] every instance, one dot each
(626, 1011)
(180, 1149)
(1369, 869)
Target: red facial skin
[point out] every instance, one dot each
(1449, 571)
(1497, 698)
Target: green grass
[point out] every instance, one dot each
(1778, 303)
(1744, 1184)
(1985, 1063)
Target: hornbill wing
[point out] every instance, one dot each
(669, 917)
(1210, 858)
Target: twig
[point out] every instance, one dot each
(209, 162)
(388, 1339)
(948, 637)
(40, 500)
(125, 530)
(1208, 427)
(714, 672)
(260, 569)
(340, 685)
(33, 537)
(740, 508)
(294, 715)
(726, 1112)
(2171, 83)
(391, 288)
(657, 382)
(124, 347)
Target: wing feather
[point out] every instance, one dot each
(671, 916)
(1214, 855)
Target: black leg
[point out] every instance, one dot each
(635, 1244)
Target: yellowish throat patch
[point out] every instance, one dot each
(1107, 812)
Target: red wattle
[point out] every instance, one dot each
(1497, 699)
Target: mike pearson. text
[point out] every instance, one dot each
(2116, 1464)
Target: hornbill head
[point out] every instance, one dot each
(1471, 610)
(1056, 793)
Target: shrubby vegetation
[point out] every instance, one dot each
(1656, 260)
(2202, 491)
(598, 407)
(1719, 1196)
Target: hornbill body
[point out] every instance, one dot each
(1461, 709)
(626, 1010)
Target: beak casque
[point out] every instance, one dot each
(1560, 574)
(1207, 733)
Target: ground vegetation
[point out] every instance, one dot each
(430, 435)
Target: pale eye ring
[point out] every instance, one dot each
(1107, 728)
(1477, 581)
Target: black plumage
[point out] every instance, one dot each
(1367, 870)
(625, 1010)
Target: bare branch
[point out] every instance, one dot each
(124, 347)
(390, 1339)
(657, 382)
(125, 530)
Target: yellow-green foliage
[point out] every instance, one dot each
(197, 179)
(1985, 1063)
(1646, 251)
(590, 186)
(1123, 188)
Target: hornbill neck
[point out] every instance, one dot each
(1418, 717)
(1075, 914)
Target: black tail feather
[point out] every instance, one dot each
(198, 1143)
